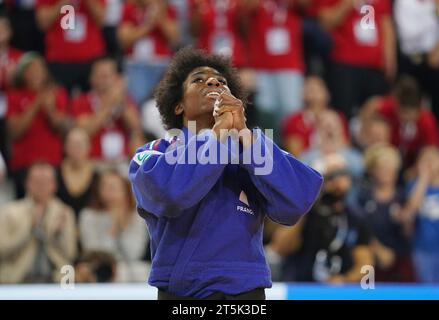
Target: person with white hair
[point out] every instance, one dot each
(380, 201)
(37, 233)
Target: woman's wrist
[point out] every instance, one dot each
(246, 137)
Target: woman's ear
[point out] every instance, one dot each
(179, 109)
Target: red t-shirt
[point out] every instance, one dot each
(154, 45)
(111, 141)
(275, 38)
(40, 141)
(354, 44)
(8, 60)
(409, 138)
(81, 44)
(314, 8)
(302, 125)
(218, 32)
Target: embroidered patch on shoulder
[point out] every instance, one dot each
(141, 157)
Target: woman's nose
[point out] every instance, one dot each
(213, 82)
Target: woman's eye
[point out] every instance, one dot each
(198, 80)
(223, 81)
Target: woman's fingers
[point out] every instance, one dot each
(228, 108)
(228, 98)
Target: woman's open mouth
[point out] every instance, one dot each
(213, 94)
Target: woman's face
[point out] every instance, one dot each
(77, 145)
(5, 31)
(103, 75)
(330, 127)
(201, 89)
(315, 92)
(41, 183)
(112, 189)
(377, 132)
(35, 75)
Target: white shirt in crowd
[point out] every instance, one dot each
(417, 25)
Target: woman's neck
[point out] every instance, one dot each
(202, 122)
(119, 206)
(100, 93)
(315, 108)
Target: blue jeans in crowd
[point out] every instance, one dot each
(278, 94)
(142, 78)
(426, 266)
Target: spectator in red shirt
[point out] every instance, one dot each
(214, 24)
(147, 33)
(8, 60)
(412, 126)
(36, 118)
(71, 51)
(299, 128)
(274, 33)
(363, 55)
(108, 115)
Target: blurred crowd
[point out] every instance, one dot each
(351, 87)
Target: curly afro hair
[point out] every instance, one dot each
(169, 91)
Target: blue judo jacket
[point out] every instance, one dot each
(205, 220)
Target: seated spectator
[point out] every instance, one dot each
(422, 210)
(364, 57)
(111, 224)
(299, 128)
(38, 233)
(412, 125)
(274, 37)
(70, 51)
(8, 60)
(380, 202)
(36, 118)
(329, 138)
(96, 267)
(107, 114)
(76, 174)
(331, 243)
(148, 32)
